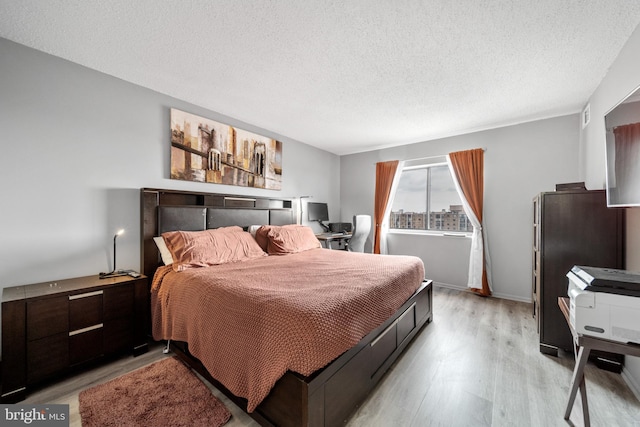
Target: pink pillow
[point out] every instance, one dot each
(290, 239)
(262, 236)
(191, 249)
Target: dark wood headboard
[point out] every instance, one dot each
(170, 210)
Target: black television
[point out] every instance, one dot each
(622, 124)
(318, 212)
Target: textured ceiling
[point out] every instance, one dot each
(344, 76)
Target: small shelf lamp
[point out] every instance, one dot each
(300, 200)
(115, 272)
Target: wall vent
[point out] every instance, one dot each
(586, 115)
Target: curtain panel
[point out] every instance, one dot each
(467, 169)
(385, 174)
(627, 155)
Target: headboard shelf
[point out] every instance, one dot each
(193, 198)
(167, 210)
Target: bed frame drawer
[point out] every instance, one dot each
(353, 383)
(406, 323)
(382, 347)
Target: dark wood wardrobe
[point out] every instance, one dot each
(570, 228)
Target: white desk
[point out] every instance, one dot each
(327, 238)
(583, 346)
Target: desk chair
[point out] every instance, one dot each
(361, 229)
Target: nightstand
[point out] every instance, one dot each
(52, 328)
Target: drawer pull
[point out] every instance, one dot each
(14, 392)
(88, 294)
(407, 311)
(379, 337)
(83, 330)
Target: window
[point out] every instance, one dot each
(426, 199)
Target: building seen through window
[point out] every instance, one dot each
(426, 199)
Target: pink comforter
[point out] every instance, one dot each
(249, 322)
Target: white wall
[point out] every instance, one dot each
(442, 256)
(622, 79)
(520, 162)
(77, 146)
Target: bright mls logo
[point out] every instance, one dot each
(35, 415)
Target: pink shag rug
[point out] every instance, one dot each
(165, 393)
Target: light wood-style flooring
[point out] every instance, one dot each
(476, 364)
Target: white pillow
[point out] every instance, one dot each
(167, 259)
(252, 229)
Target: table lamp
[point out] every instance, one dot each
(114, 272)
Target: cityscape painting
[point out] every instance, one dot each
(204, 150)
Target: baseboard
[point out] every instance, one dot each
(633, 383)
(450, 286)
(495, 295)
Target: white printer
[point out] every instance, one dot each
(605, 303)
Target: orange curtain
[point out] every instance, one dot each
(469, 169)
(385, 172)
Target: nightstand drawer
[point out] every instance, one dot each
(118, 302)
(86, 345)
(118, 335)
(85, 310)
(47, 317)
(47, 356)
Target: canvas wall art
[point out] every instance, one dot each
(204, 150)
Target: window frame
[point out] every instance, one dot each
(426, 164)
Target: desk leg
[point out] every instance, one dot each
(325, 243)
(577, 381)
(585, 405)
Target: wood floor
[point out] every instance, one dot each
(476, 364)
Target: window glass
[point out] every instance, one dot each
(426, 199)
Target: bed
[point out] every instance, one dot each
(322, 381)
